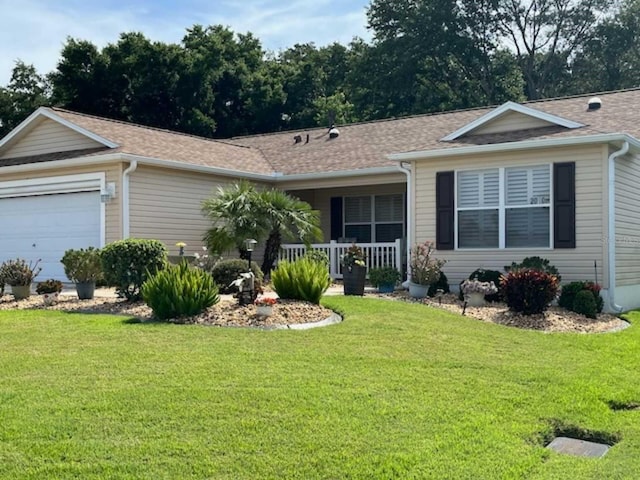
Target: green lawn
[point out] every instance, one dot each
(396, 391)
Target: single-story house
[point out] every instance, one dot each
(554, 178)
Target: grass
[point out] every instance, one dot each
(396, 391)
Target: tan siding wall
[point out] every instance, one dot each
(113, 173)
(510, 122)
(48, 137)
(628, 221)
(345, 182)
(591, 198)
(165, 205)
(321, 199)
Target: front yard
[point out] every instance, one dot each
(396, 391)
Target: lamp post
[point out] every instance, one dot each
(249, 245)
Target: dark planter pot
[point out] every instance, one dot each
(386, 288)
(85, 290)
(354, 280)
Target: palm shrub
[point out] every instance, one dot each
(178, 291)
(227, 271)
(127, 264)
(303, 279)
(529, 291)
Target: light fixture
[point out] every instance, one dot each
(249, 245)
(109, 193)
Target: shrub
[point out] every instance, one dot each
(383, 276)
(303, 279)
(227, 271)
(18, 272)
(529, 291)
(483, 275)
(127, 264)
(82, 265)
(318, 256)
(534, 263)
(179, 290)
(49, 286)
(584, 303)
(571, 290)
(425, 269)
(441, 284)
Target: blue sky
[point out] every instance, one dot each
(35, 30)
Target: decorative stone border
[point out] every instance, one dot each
(333, 319)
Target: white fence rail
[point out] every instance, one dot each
(378, 254)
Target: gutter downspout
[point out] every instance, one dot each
(125, 198)
(612, 225)
(407, 172)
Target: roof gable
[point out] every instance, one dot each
(510, 117)
(77, 136)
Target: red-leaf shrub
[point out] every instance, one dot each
(529, 291)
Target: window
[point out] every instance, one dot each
(504, 208)
(374, 218)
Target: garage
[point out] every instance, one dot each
(44, 226)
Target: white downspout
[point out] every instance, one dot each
(407, 172)
(125, 198)
(612, 225)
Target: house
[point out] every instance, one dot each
(554, 178)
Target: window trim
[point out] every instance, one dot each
(373, 223)
(502, 209)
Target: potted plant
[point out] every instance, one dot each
(424, 269)
(19, 275)
(50, 290)
(474, 291)
(264, 306)
(354, 270)
(384, 278)
(84, 268)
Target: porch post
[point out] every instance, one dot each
(333, 259)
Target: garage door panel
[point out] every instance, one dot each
(43, 227)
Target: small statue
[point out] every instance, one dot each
(246, 288)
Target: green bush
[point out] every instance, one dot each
(127, 264)
(383, 276)
(534, 263)
(571, 290)
(178, 291)
(49, 286)
(529, 291)
(303, 279)
(483, 275)
(227, 271)
(585, 304)
(441, 284)
(318, 256)
(82, 265)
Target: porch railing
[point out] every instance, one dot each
(378, 254)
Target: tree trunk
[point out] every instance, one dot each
(271, 251)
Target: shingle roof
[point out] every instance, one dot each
(167, 145)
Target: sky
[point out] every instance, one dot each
(34, 31)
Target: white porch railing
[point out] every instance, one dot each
(378, 254)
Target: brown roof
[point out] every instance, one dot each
(365, 145)
(167, 145)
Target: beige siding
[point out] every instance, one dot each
(343, 182)
(510, 122)
(49, 137)
(166, 205)
(591, 199)
(628, 221)
(113, 173)
(320, 199)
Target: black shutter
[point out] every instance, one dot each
(445, 184)
(564, 205)
(336, 218)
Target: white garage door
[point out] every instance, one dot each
(44, 226)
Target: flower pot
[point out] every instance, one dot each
(264, 310)
(418, 291)
(50, 298)
(354, 280)
(475, 299)
(85, 290)
(20, 292)
(386, 287)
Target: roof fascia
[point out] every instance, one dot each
(523, 145)
(506, 108)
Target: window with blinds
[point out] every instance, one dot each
(504, 207)
(374, 218)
